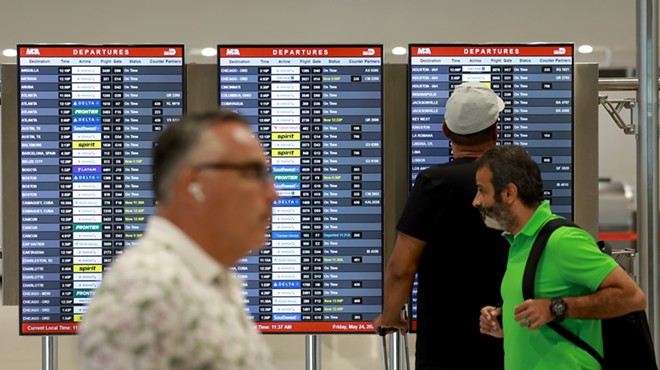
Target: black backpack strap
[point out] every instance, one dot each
(530, 275)
(537, 250)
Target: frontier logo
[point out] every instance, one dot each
(424, 51)
(233, 52)
(32, 52)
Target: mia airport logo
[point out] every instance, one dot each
(559, 51)
(369, 52)
(424, 51)
(169, 52)
(32, 52)
(233, 52)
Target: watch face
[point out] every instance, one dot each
(558, 307)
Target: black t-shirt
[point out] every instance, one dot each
(460, 270)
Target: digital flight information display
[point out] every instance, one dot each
(318, 113)
(88, 119)
(536, 83)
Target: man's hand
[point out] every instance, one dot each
(534, 313)
(391, 325)
(488, 323)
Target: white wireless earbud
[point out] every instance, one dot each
(195, 189)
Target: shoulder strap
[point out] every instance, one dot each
(530, 275)
(537, 250)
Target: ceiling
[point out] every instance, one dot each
(608, 25)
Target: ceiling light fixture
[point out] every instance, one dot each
(585, 49)
(209, 52)
(10, 53)
(399, 50)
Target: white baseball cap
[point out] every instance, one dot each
(472, 107)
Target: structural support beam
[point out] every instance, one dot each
(647, 158)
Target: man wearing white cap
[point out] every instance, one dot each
(459, 261)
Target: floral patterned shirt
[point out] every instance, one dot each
(166, 305)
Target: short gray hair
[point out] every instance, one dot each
(178, 141)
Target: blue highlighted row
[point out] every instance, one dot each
(287, 186)
(286, 284)
(285, 169)
(285, 235)
(85, 103)
(289, 202)
(86, 178)
(86, 128)
(87, 119)
(286, 317)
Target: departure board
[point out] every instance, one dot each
(536, 83)
(318, 113)
(88, 119)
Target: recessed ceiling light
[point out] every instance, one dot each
(209, 52)
(9, 52)
(399, 50)
(585, 49)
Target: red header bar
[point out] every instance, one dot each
(38, 51)
(316, 327)
(299, 52)
(50, 328)
(492, 51)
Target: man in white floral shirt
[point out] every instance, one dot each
(170, 302)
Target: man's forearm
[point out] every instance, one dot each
(398, 287)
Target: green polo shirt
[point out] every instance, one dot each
(571, 265)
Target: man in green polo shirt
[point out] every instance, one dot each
(578, 284)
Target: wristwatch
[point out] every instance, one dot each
(558, 308)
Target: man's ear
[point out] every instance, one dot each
(494, 132)
(509, 193)
(445, 129)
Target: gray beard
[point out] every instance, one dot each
(493, 223)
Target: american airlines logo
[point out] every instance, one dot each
(32, 52)
(233, 52)
(425, 51)
(559, 51)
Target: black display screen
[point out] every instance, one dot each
(318, 113)
(88, 118)
(536, 83)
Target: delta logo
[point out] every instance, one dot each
(424, 51)
(32, 52)
(233, 52)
